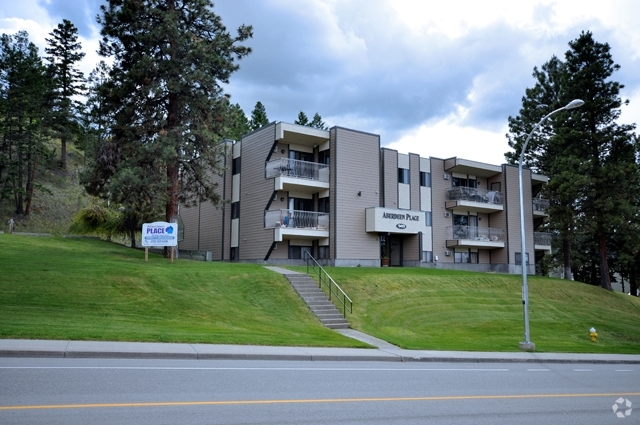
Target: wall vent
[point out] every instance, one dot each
(446, 176)
(447, 253)
(447, 214)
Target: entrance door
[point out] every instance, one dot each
(395, 250)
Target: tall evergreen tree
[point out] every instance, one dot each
(585, 153)
(302, 119)
(259, 116)
(64, 54)
(170, 57)
(317, 122)
(237, 123)
(23, 88)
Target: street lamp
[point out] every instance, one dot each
(527, 344)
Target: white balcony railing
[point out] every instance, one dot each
(486, 234)
(474, 195)
(540, 238)
(540, 204)
(285, 167)
(296, 219)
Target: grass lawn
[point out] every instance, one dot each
(451, 310)
(83, 289)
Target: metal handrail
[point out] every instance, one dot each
(285, 167)
(296, 219)
(329, 283)
(542, 238)
(487, 234)
(474, 195)
(541, 204)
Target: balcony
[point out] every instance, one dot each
(542, 241)
(298, 224)
(473, 199)
(540, 207)
(298, 176)
(475, 237)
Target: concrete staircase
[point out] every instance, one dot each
(317, 301)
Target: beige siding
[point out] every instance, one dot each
(190, 218)
(411, 248)
(350, 176)
(414, 179)
(513, 211)
(254, 240)
(440, 223)
(390, 178)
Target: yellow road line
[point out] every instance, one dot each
(325, 400)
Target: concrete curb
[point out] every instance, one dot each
(151, 350)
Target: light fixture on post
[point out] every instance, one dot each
(527, 344)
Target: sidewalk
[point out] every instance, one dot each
(146, 350)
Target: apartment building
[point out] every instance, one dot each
(340, 196)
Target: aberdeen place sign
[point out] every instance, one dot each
(159, 234)
(389, 220)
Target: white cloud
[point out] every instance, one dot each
(449, 137)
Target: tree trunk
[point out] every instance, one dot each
(63, 149)
(132, 236)
(633, 284)
(30, 185)
(566, 248)
(605, 280)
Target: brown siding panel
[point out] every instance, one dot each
(414, 170)
(390, 178)
(440, 223)
(355, 170)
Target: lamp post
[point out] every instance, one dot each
(527, 344)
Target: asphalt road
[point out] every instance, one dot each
(117, 391)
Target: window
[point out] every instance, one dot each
(462, 182)
(235, 166)
(235, 210)
(324, 157)
(234, 254)
(297, 252)
(427, 218)
(519, 258)
(466, 257)
(323, 205)
(425, 179)
(427, 256)
(403, 175)
(323, 253)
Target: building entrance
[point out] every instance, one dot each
(395, 250)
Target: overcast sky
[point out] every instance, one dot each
(436, 78)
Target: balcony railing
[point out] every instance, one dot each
(285, 167)
(485, 234)
(540, 238)
(295, 219)
(540, 205)
(474, 195)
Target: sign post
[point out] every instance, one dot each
(161, 234)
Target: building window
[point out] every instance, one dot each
(235, 166)
(519, 258)
(324, 157)
(235, 210)
(425, 179)
(323, 205)
(462, 182)
(234, 254)
(427, 218)
(466, 257)
(323, 253)
(297, 252)
(427, 256)
(403, 175)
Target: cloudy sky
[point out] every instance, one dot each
(437, 78)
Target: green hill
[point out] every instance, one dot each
(83, 289)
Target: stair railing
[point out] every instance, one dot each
(335, 291)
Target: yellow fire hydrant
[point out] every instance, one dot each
(593, 334)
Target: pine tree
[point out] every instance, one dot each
(590, 159)
(23, 88)
(164, 92)
(302, 119)
(64, 54)
(258, 116)
(317, 122)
